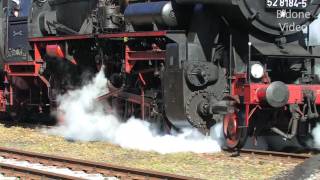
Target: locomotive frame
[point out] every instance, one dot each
(194, 76)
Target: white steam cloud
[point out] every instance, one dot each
(314, 36)
(17, 1)
(86, 120)
(316, 136)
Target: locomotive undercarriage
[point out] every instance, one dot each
(138, 88)
(168, 67)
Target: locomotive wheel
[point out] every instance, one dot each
(234, 131)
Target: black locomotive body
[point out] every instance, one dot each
(179, 63)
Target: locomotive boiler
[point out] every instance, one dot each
(179, 63)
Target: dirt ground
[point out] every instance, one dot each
(206, 166)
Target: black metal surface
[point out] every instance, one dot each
(72, 13)
(18, 47)
(109, 19)
(173, 85)
(200, 74)
(196, 112)
(253, 13)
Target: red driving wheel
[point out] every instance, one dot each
(234, 131)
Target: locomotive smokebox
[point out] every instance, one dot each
(161, 13)
(276, 94)
(270, 19)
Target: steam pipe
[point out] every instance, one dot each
(295, 119)
(293, 132)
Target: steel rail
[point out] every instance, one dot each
(276, 154)
(30, 173)
(105, 169)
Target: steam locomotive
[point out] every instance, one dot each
(178, 63)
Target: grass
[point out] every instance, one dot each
(206, 166)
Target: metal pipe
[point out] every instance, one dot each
(293, 132)
(160, 12)
(294, 119)
(230, 62)
(249, 60)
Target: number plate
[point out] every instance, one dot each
(286, 4)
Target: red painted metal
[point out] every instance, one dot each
(231, 129)
(254, 93)
(21, 74)
(33, 66)
(11, 95)
(45, 81)
(142, 79)
(253, 110)
(146, 55)
(55, 50)
(142, 95)
(73, 61)
(101, 36)
(131, 57)
(37, 59)
(128, 65)
(261, 93)
(26, 63)
(37, 54)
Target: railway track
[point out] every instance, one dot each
(293, 156)
(29, 173)
(107, 170)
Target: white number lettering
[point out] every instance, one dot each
(290, 3)
(304, 3)
(269, 3)
(281, 3)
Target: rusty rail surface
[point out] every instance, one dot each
(105, 169)
(29, 173)
(276, 154)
